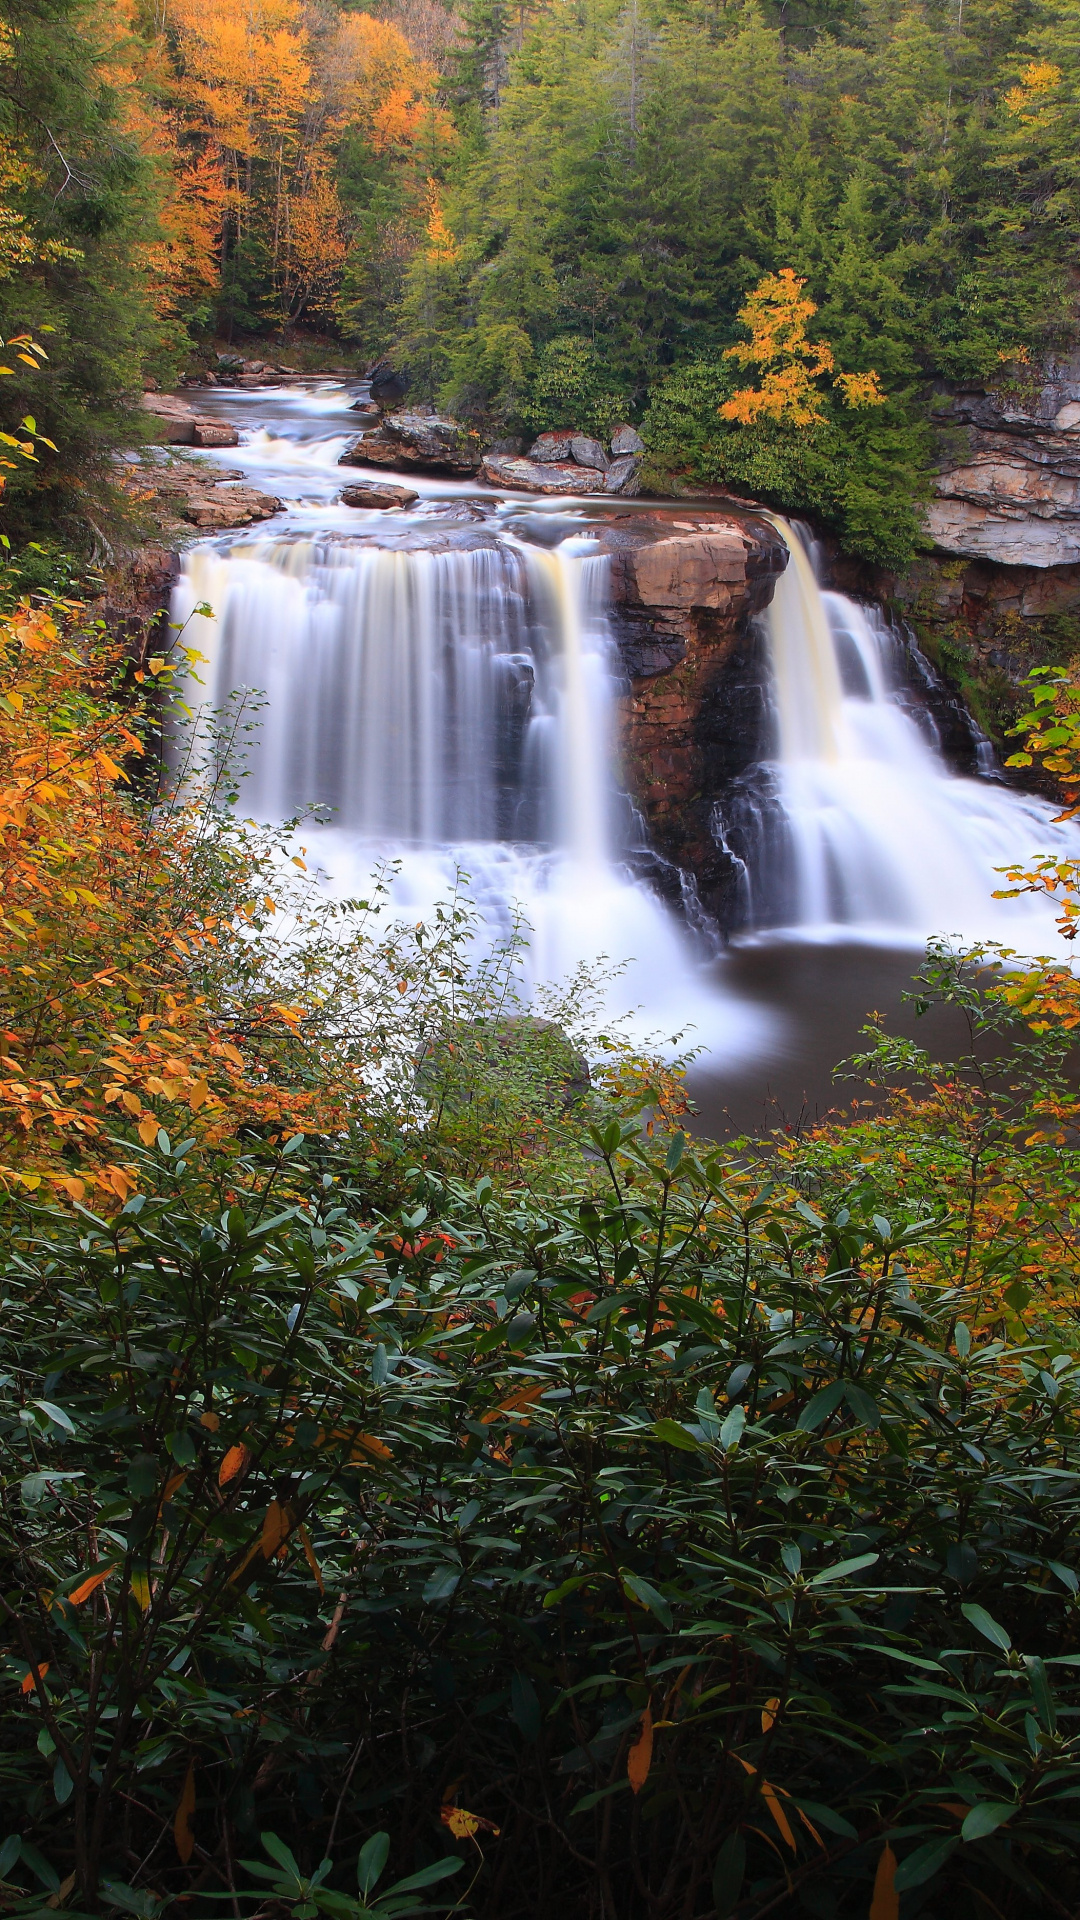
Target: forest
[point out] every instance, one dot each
(434, 1478)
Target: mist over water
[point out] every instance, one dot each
(446, 699)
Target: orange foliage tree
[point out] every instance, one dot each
(775, 315)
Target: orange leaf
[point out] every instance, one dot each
(183, 1833)
(515, 1403)
(639, 1759)
(35, 1674)
(771, 1799)
(768, 1714)
(234, 1462)
(211, 1421)
(148, 1129)
(275, 1529)
(375, 1449)
(885, 1904)
(86, 1587)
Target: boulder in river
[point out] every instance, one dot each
(388, 387)
(178, 425)
(377, 494)
(589, 453)
(557, 445)
(533, 476)
(425, 442)
(622, 475)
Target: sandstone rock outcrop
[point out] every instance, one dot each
(684, 591)
(176, 424)
(566, 461)
(533, 476)
(376, 495)
(418, 442)
(179, 494)
(1008, 489)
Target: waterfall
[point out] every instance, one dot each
(446, 708)
(855, 826)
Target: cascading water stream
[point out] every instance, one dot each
(855, 827)
(447, 709)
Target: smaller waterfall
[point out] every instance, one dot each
(855, 827)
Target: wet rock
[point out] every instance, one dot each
(626, 439)
(622, 475)
(388, 387)
(376, 495)
(512, 445)
(533, 476)
(368, 410)
(178, 494)
(215, 433)
(426, 442)
(589, 453)
(684, 594)
(178, 425)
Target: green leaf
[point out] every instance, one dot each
(820, 1407)
(57, 1415)
(279, 1851)
(728, 1874)
(648, 1596)
(674, 1434)
(1041, 1693)
(673, 1157)
(986, 1818)
(427, 1876)
(986, 1625)
(373, 1857)
(732, 1430)
(844, 1569)
(9, 1854)
(866, 1410)
(924, 1862)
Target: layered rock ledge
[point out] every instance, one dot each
(685, 591)
(1008, 484)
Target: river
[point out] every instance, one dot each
(441, 685)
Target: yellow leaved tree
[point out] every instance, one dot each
(792, 366)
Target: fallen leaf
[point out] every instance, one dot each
(639, 1759)
(183, 1832)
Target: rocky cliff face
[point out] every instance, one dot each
(1008, 489)
(684, 593)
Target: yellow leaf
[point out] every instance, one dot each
(275, 1529)
(768, 1714)
(131, 1101)
(639, 1759)
(183, 1833)
(309, 1556)
(140, 1589)
(885, 1904)
(148, 1129)
(233, 1463)
(366, 1443)
(198, 1095)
